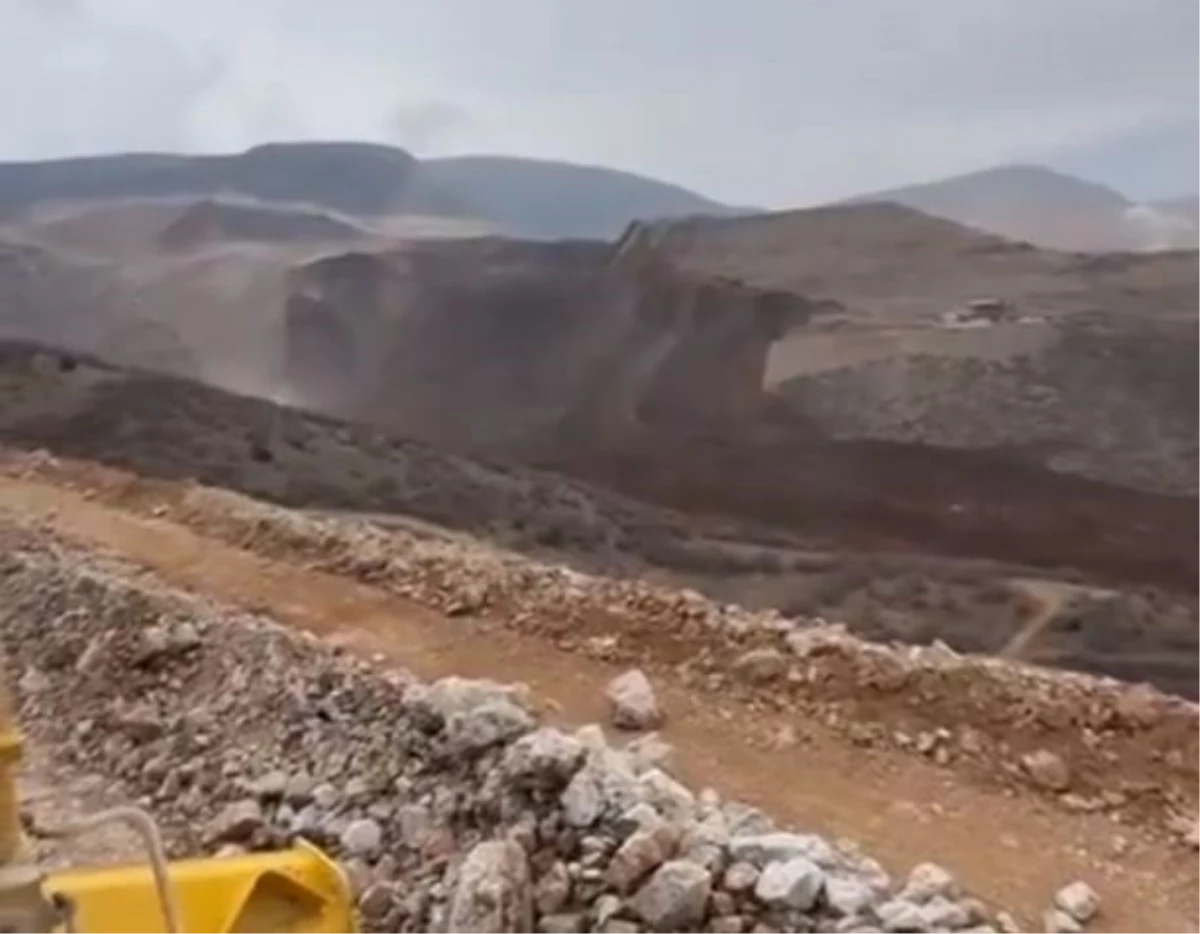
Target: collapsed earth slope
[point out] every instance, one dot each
(494, 345)
(808, 557)
(1080, 364)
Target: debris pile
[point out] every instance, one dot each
(449, 804)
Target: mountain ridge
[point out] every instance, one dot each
(1041, 205)
(552, 199)
(549, 199)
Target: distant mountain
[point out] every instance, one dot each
(1041, 206)
(538, 198)
(354, 178)
(523, 197)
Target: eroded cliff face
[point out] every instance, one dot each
(509, 346)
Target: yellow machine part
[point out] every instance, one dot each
(299, 889)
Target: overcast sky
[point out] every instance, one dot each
(767, 102)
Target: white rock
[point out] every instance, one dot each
(1079, 900)
(1047, 770)
(493, 890)
(491, 722)
(299, 788)
(592, 736)
(672, 799)
(778, 846)
(636, 818)
(761, 665)
(362, 837)
(553, 889)
(33, 681)
(900, 915)
(582, 802)
(632, 702)
(236, 822)
(414, 821)
(271, 786)
(706, 841)
(604, 789)
(739, 878)
(452, 695)
(946, 914)
(1059, 922)
(1006, 923)
(675, 897)
(796, 883)
(927, 880)
(546, 757)
(641, 853)
(848, 896)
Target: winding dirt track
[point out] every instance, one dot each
(1010, 849)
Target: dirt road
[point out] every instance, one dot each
(1010, 849)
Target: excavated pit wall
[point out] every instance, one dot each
(450, 808)
(495, 345)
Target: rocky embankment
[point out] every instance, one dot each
(450, 804)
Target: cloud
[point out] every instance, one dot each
(774, 102)
(79, 82)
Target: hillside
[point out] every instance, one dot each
(523, 197)
(457, 725)
(860, 532)
(891, 264)
(756, 331)
(356, 178)
(1088, 365)
(855, 491)
(1038, 205)
(539, 198)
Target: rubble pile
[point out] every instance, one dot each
(449, 804)
(1102, 729)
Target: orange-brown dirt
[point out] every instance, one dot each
(1010, 844)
